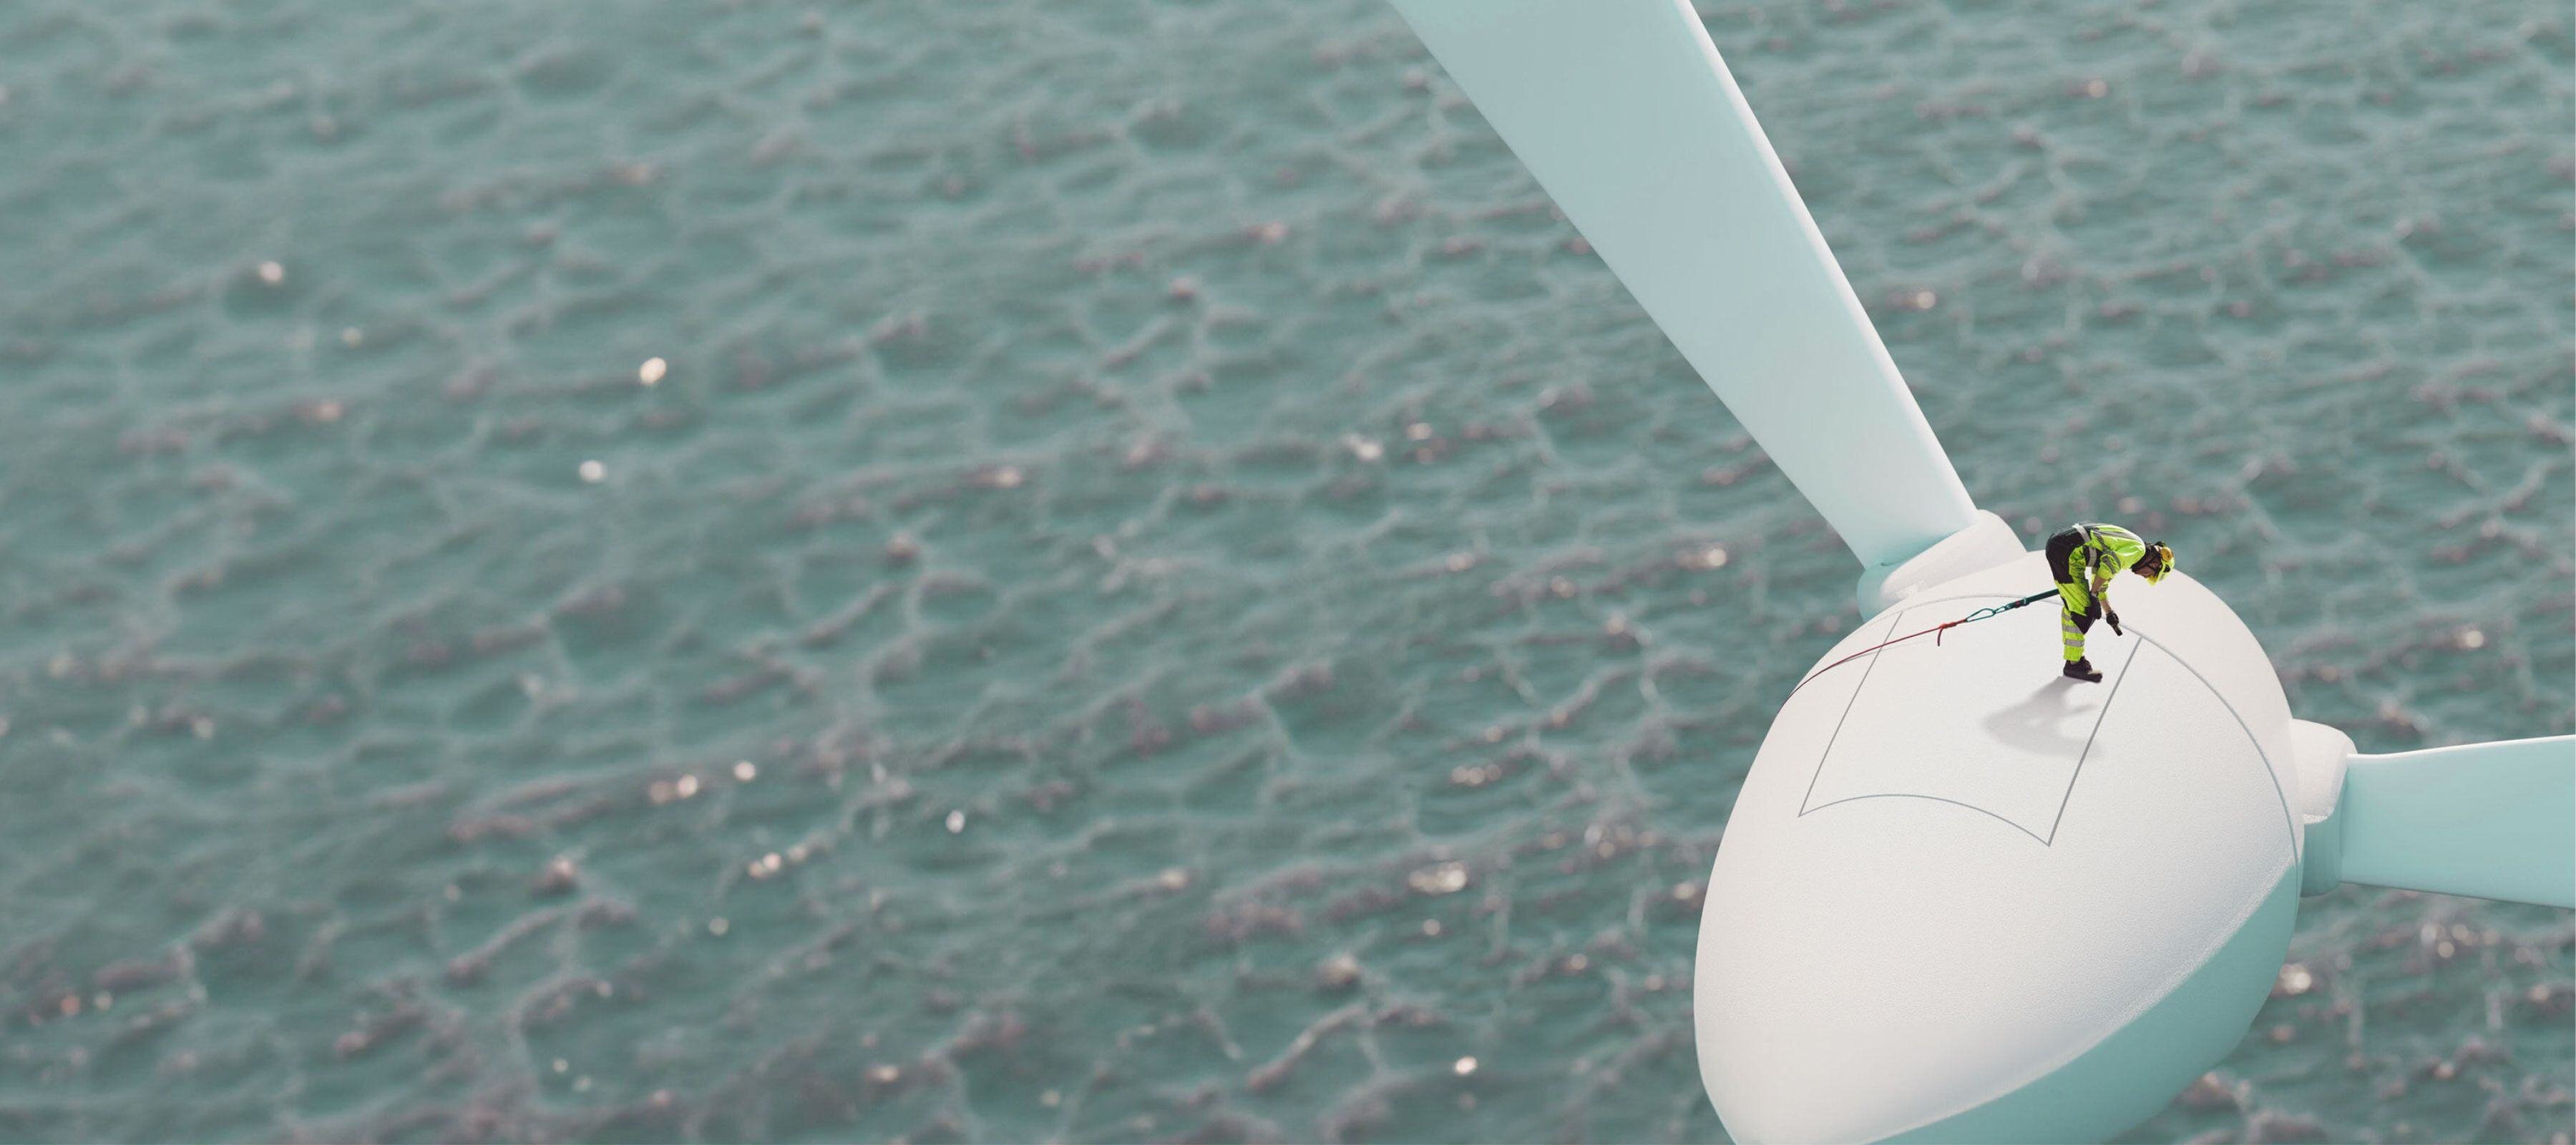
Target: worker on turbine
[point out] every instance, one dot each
(2084, 557)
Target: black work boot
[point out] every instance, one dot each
(2082, 670)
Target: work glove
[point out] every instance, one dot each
(2093, 609)
(2114, 619)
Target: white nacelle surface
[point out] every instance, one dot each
(1952, 871)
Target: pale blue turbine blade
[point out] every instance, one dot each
(2493, 820)
(1625, 114)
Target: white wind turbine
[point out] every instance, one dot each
(1950, 904)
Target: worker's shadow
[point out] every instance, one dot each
(2053, 720)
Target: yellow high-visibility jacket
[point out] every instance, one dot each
(2106, 552)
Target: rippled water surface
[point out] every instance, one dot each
(1158, 592)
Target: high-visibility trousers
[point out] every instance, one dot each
(2075, 614)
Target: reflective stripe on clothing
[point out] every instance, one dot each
(2071, 626)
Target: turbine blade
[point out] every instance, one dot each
(2493, 820)
(1629, 120)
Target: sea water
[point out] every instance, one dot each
(1112, 571)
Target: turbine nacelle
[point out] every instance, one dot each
(1964, 895)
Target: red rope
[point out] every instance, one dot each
(1933, 632)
